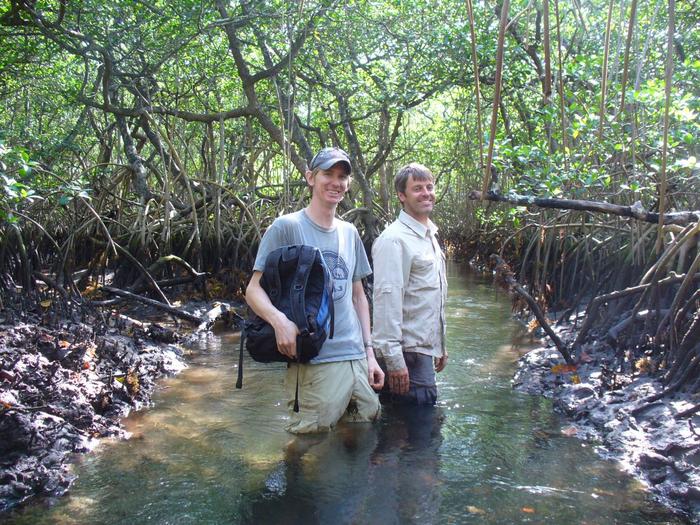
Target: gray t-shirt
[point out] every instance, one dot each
(347, 261)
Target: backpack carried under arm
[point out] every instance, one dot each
(299, 284)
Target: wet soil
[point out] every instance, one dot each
(64, 385)
(605, 407)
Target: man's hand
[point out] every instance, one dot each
(375, 373)
(440, 363)
(286, 336)
(285, 330)
(398, 381)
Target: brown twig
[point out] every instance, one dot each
(504, 277)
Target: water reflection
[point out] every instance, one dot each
(386, 473)
(210, 454)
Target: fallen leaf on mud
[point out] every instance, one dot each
(132, 382)
(569, 431)
(46, 303)
(6, 406)
(91, 290)
(475, 510)
(63, 344)
(575, 379)
(563, 369)
(533, 325)
(529, 510)
(645, 365)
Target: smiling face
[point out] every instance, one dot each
(419, 198)
(328, 186)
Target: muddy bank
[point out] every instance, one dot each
(604, 405)
(64, 385)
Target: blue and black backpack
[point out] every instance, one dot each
(299, 284)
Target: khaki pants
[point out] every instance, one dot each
(329, 392)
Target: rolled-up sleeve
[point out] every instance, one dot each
(390, 275)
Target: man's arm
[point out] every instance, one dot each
(441, 362)
(389, 278)
(285, 330)
(359, 301)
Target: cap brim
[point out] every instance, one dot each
(332, 162)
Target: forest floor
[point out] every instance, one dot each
(66, 383)
(605, 407)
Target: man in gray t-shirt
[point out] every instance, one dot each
(339, 382)
(343, 252)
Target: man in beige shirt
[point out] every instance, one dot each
(410, 289)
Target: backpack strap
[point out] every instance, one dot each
(332, 310)
(296, 393)
(273, 284)
(341, 232)
(331, 302)
(307, 256)
(239, 381)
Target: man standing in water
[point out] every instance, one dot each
(410, 289)
(338, 383)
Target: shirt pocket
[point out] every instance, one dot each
(423, 274)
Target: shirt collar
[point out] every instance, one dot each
(416, 226)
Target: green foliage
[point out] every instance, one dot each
(16, 180)
(390, 81)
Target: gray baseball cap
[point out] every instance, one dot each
(328, 157)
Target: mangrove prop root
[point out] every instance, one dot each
(156, 304)
(614, 333)
(687, 413)
(688, 372)
(51, 283)
(220, 313)
(504, 276)
(594, 306)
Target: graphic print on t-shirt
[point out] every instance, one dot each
(339, 272)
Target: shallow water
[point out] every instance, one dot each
(208, 453)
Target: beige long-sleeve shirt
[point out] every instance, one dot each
(410, 291)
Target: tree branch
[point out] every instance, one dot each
(635, 211)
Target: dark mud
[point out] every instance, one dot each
(605, 407)
(65, 386)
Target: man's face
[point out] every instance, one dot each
(329, 186)
(419, 199)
